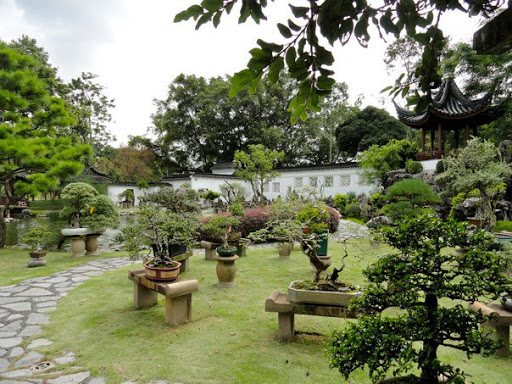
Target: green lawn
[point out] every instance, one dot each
(14, 268)
(231, 339)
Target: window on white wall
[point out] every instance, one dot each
(328, 181)
(276, 187)
(265, 187)
(345, 181)
(313, 181)
(298, 182)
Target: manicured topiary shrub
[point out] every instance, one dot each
(413, 166)
(440, 166)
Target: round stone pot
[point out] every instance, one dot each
(285, 249)
(37, 254)
(226, 252)
(163, 273)
(226, 271)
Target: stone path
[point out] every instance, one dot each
(24, 308)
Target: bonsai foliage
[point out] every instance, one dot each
(210, 195)
(102, 214)
(174, 200)
(78, 199)
(287, 231)
(127, 195)
(218, 228)
(414, 278)
(37, 237)
(477, 166)
(315, 217)
(408, 198)
(257, 167)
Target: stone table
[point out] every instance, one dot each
(500, 320)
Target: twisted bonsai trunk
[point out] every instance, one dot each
(429, 365)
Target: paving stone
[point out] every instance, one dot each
(18, 382)
(37, 318)
(4, 364)
(66, 359)
(64, 289)
(75, 378)
(46, 309)
(47, 304)
(42, 299)
(3, 352)
(17, 373)
(31, 330)
(4, 335)
(19, 307)
(97, 380)
(14, 326)
(39, 343)
(16, 352)
(8, 300)
(14, 288)
(30, 358)
(15, 316)
(35, 292)
(80, 278)
(10, 342)
(42, 285)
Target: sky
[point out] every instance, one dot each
(137, 51)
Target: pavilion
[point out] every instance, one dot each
(449, 111)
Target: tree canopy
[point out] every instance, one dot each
(304, 52)
(370, 126)
(33, 157)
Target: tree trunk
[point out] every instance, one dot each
(3, 228)
(428, 358)
(487, 211)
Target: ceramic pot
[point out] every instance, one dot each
(163, 273)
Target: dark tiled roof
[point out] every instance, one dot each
(448, 103)
(305, 168)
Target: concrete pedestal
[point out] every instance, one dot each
(226, 271)
(78, 246)
(178, 296)
(91, 244)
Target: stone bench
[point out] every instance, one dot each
(210, 249)
(183, 259)
(178, 296)
(500, 321)
(286, 311)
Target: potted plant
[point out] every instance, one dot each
(156, 228)
(285, 232)
(420, 278)
(222, 229)
(37, 238)
(127, 198)
(326, 290)
(88, 214)
(315, 219)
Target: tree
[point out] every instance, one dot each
(371, 126)
(132, 164)
(91, 110)
(304, 53)
(409, 197)
(33, 157)
(378, 161)
(477, 166)
(414, 278)
(257, 167)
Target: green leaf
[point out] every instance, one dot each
(270, 46)
(275, 69)
(216, 19)
(324, 82)
(203, 19)
(422, 38)
(229, 6)
(291, 56)
(243, 77)
(300, 12)
(212, 5)
(324, 57)
(254, 84)
(386, 89)
(194, 11)
(293, 26)
(284, 30)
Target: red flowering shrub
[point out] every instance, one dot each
(254, 219)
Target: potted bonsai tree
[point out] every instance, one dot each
(222, 229)
(127, 198)
(88, 214)
(285, 232)
(37, 238)
(315, 219)
(156, 228)
(415, 277)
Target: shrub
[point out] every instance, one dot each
(334, 219)
(440, 166)
(340, 203)
(408, 197)
(315, 217)
(413, 166)
(366, 211)
(236, 209)
(459, 199)
(503, 226)
(354, 210)
(377, 201)
(254, 219)
(216, 227)
(174, 200)
(210, 195)
(352, 197)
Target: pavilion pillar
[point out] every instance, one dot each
(466, 133)
(432, 137)
(423, 139)
(456, 133)
(475, 130)
(440, 138)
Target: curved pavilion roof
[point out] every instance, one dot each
(448, 104)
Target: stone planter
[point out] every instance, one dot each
(284, 249)
(226, 252)
(339, 299)
(226, 271)
(163, 273)
(37, 259)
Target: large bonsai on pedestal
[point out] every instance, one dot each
(414, 279)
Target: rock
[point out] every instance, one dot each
(379, 220)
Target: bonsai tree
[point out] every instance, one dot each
(218, 228)
(37, 238)
(78, 199)
(156, 228)
(127, 195)
(102, 214)
(210, 196)
(408, 198)
(314, 217)
(477, 166)
(286, 231)
(174, 200)
(414, 279)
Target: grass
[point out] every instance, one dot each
(231, 338)
(14, 268)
